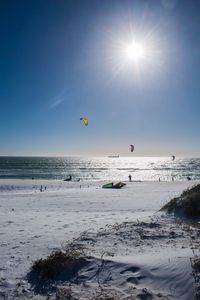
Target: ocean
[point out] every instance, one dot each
(100, 168)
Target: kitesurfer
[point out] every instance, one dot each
(84, 120)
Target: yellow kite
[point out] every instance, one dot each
(85, 121)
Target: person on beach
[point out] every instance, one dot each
(41, 189)
(130, 177)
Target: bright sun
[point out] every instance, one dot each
(134, 51)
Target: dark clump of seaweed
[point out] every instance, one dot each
(186, 205)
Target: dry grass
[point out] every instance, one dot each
(68, 261)
(196, 265)
(187, 205)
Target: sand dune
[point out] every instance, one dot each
(148, 255)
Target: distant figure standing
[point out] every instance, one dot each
(172, 178)
(41, 189)
(130, 177)
(159, 179)
(45, 188)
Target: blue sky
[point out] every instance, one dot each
(61, 60)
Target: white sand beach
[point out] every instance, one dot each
(150, 264)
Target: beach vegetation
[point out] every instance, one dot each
(186, 205)
(68, 261)
(60, 266)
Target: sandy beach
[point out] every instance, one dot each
(100, 150)
(147, 252)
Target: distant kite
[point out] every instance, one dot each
(132, 148)
(85, 121)
(173, 157)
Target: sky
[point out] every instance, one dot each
(67, 59)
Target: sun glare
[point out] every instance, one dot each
(135, 51)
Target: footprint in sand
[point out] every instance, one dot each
(130, 269)
(133, 275)
(66, 226)
(4, 245)
(135, 280)
(15, 247)
(10, 222)
(36, 236)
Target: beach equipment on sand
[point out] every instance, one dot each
(108, 185)
(119, 185)
(111, 185)
(69, 178)
(132, 148)
(84, 120)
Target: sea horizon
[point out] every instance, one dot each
(103, 156)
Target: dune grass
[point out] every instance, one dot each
(68, 261)
(186, 205)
